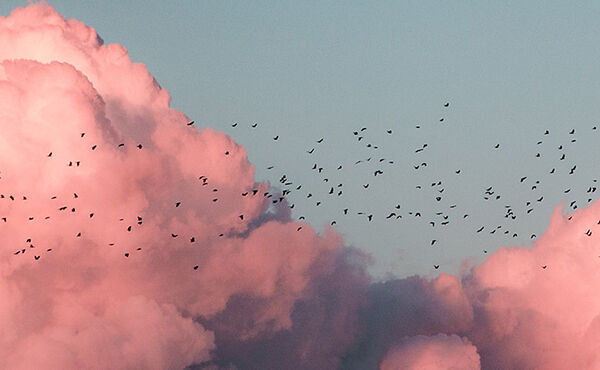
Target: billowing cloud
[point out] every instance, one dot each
(433, 353)
(537, 307)
(133, 240)
(124, 225)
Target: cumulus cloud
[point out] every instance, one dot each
(119, 256)
(528, 316)
(102, 236)
(433, 353)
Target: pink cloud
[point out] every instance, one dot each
(531, 316)
(115, 282)
(432, 353)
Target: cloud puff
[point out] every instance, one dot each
(432, 353)
(537, 307)
(102, 236)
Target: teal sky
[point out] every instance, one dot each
(306, 70)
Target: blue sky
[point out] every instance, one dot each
(310, 70)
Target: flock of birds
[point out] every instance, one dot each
(435, 189)
(288, 193)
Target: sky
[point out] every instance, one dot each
(461, 138)
(316, 70)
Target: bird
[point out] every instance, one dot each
(446, 104)
(389, 132)
(254, 125)
(234, 125)
(276, 137)
(436, 266)
(190, 123)
(177, 204)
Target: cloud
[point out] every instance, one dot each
(104, 272)
(528, 316)
(433, 353)
(118, 231)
